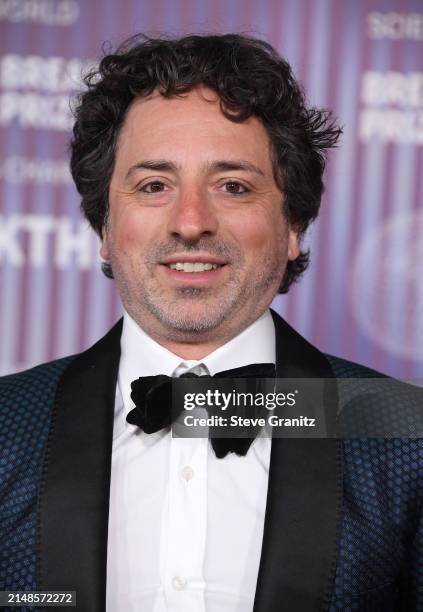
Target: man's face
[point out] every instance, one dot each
(196, 233)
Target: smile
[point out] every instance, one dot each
(189, 266)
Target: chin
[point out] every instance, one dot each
(194, 324)
(190, 320)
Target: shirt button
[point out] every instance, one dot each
(179, 583)
(187, 473)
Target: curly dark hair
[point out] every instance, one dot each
(250, 78)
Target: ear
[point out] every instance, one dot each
(104, 249)
(293, 243)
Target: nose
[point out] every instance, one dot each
(192, 216)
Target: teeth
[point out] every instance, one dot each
(190, 266)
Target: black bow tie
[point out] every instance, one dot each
(152, 396)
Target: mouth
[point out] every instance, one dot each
(194, 268)
(194, 263)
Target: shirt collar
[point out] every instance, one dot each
(143, 356)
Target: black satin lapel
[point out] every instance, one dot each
(303, 512)
(74, 495)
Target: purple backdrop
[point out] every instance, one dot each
(362, 297)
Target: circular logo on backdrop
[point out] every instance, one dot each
(387, 285)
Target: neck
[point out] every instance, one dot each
(191, 346)
(189, 351)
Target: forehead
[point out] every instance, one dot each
(191, 125)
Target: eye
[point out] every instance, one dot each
(235, 188)
(153, 187)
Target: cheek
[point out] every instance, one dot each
(132, 230)
(129, 236)
(262, 235)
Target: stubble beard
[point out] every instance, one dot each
(193, 312)
(175, 315)
(189, 312)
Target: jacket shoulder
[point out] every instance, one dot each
(27, 398)
(371, 404)
(343, 368)
(33, 383)
(38, 384)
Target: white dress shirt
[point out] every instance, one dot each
(185, 528)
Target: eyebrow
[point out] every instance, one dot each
(221, 165)
(160, 165)
(237, 164)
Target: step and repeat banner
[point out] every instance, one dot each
(362, 297)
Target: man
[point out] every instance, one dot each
(200, 167)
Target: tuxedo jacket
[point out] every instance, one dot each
(343, 525)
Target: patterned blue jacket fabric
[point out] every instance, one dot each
(379, 565)
(26, 405)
